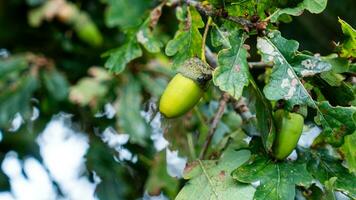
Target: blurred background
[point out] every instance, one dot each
(69, 129)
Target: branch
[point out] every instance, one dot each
(259, 64)
(211, 58)
(215, 121)
(240, 106)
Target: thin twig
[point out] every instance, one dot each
(215, 121)
(259, 64)
(212, 60)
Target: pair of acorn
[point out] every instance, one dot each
(185, 90)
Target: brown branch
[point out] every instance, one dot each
(259, 64)
(214, 123)
(240, 106)
(211, 58)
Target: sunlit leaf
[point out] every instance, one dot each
(146, 37)
(284, 82)
(349, 151)
(187, 41)
(232, 73)
(313, 6)
(348, 48)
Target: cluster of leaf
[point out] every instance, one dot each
(139, 38)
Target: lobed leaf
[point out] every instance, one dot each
(348, 48)
(324, 167)
(120, 57)
(277, 180)
(337, 122)
(313, 6)
(211, 179)
(232, 73)
(187, 41)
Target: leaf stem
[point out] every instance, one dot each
(206, 30)
(269, 17)
(191, 146)
(214, 124)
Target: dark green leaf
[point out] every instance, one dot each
(159, 180)
(56, 84)
(277, 180)
(16, 99)
(120, 57)
(129, 113)
(125, 14)
(323, 167)
(264, 116)
(12, 64)
(337, 122)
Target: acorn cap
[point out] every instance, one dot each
(197, 70)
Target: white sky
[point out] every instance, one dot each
(62, 150)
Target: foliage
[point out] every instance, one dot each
(83, 57)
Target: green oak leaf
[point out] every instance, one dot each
(210, 179)
(158, 178)
(187, 41)
(277, 180)
(129, 111)
(146, 37)
(306, 65)
(87, 91)
(100, 159)
(125, 14)
(16, 99)
(120, 57)
(348, 48)
(337, 122)
(56, 84)
(313, 6)
(348, 149)
(324, 167)
(219, 36)
(264, 116)
(90, 90)
(12, 64)
(232, 73)
(339, 65)
(284, 82)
